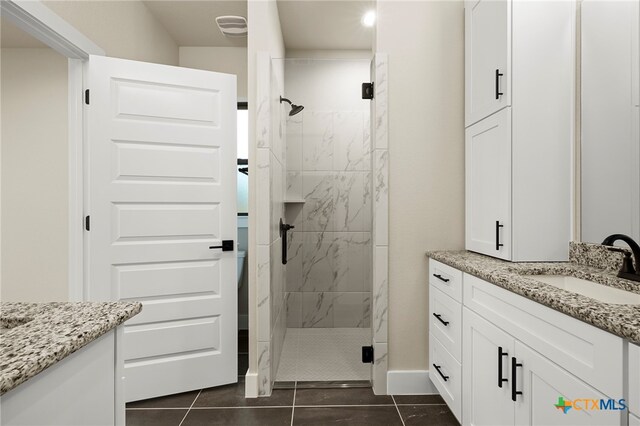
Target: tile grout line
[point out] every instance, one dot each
(189, 410)
(398, 410)
(249, 407)
(293, 408)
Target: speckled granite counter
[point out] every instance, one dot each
(621, 320)
(37, 335)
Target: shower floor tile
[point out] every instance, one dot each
(324, 354)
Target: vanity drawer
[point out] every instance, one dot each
(583, 350)
(445, 321)
(446, 279)
(634, 379)
(446, 374)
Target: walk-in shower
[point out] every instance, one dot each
(328, 199)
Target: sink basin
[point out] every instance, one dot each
(590, 289)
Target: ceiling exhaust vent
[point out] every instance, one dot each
(232, 26)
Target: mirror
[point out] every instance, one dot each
(610, 119)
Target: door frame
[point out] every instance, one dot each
(42, 23)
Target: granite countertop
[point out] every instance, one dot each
(621, 320)
(35, 336)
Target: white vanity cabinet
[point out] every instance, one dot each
(445, 333)
(519, 100)
(507, 381)
(508, 359)
(85, 388)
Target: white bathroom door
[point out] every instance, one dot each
(161, 192)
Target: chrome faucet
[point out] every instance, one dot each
(627, 270)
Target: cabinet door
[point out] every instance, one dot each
(486, 351)
(488, 186)
(543, 383)
(487, 58)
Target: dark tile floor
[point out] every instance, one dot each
(243, 352)
(226, 405)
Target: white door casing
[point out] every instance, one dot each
(161, 191)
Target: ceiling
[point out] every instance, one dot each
(192, 23)
(306, 24)
(325, 24)
(12, 36)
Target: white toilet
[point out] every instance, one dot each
(241, 256)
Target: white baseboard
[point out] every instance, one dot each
(251, 385)
(410, 382)
(243, 322)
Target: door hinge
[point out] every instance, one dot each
(367, 90)
(87, 223)
(86, 96)
(367, 354)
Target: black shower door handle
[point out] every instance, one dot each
(283, 236)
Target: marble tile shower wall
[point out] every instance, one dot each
(270, 187)
(328, 274)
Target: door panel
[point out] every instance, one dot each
(139, 161)
(488, 185)
(484, 402)
(153, 340)
(162, 190)
(487, 49)
(166, 279)
(542, 382)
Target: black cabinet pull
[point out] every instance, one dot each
(227, 245)
(498, 92)
(440, 319)
(498, 226)
(437, 367)
(441, 278)
(500, 355)
(514, 387)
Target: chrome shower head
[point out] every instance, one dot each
(294, 108)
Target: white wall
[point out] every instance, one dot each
(230, 60)
(34, 154)
(34, 176)
(124, 29)
(426, 159)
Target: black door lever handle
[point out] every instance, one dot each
(227, 245)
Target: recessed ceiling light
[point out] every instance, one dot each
(369, 18)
